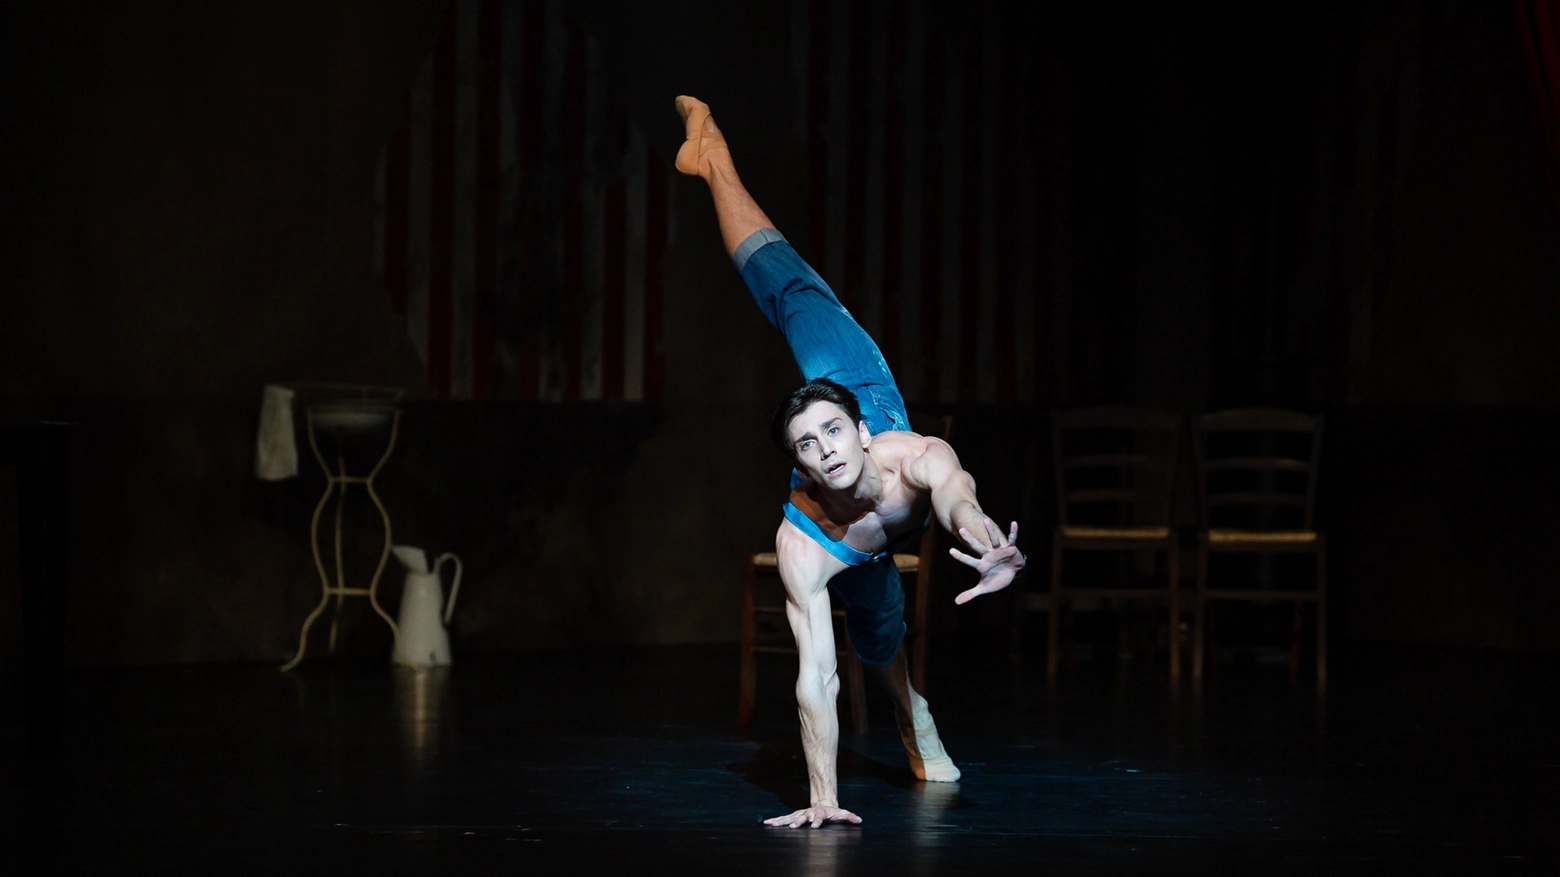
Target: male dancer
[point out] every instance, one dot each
(871, 484)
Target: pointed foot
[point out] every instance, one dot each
(703, 137)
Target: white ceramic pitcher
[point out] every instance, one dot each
(424, 641)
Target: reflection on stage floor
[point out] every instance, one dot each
(1415, 759)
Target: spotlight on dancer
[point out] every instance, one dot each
(865, 486)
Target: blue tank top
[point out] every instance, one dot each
(837, 547)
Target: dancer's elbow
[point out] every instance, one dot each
(817, 686)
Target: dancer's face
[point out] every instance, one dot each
(828, 446)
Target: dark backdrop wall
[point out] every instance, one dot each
(1334, 208)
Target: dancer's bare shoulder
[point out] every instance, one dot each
(924, 461)
(896, 449)
(803, 563)
(913, 456)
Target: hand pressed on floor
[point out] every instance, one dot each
(815, 815)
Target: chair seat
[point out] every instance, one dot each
(1116, 532)
(902, 562)
(1235, 536)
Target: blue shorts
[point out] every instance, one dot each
(828, 343)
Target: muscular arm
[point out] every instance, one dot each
(937, 470)
(806, 568)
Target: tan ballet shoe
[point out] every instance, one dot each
(928, 760)
(703, 137)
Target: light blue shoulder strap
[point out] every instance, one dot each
(837, 547)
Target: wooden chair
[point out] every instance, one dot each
(1256, 490)
(1115, 477)
(766, 631)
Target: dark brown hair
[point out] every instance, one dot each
(815, 390)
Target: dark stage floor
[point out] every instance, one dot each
(627, 761)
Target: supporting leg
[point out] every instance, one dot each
(917, 731)
(897, 681)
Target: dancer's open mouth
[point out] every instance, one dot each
(836, 469)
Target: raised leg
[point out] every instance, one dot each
(704, 155)
(824, 338)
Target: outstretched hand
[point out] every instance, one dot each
(816, 815)
(999, 560)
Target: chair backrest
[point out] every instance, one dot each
(1115, 466)
(1257, 468)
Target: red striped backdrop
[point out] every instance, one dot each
(924, 200)
(523, 218)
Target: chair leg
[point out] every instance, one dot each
(747, 685)
(1174, 563)
(1294, 640)
(1068, 655)
(1200, 611)
(1053, 615)
(1020, 613)
(856, 678)
(1213, 642)
(1321, 618)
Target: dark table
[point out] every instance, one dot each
(41, 454)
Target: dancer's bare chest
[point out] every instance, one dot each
(898, 510)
